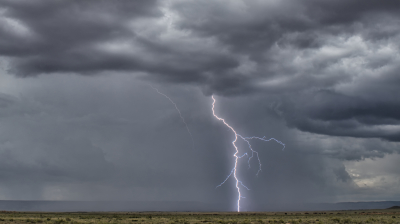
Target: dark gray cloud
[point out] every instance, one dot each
(290, 49)
(85, 38)
(332, 113)
(61, 36)
(321, 76)
(322, 57)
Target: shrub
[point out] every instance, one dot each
(59, 221)
(347, 220)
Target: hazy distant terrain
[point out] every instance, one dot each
(115, 206)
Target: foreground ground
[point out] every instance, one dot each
(359, 216)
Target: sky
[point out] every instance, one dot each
(79, 119)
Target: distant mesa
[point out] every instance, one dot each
(394, 207)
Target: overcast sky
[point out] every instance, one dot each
(79, 120)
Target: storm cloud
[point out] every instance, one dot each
(321, 76)
(335, 51)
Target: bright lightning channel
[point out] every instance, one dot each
(179, 112)
(237, 157)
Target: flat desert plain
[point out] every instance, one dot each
(353, 216)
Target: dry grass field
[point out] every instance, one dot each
(357, 216)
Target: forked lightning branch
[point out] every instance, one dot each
(233, 173)
(236, 155)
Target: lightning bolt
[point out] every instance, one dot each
(179, 112)
(237, 157)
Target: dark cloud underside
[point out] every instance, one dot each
(333, 50)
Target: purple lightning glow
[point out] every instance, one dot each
(246, 139)
(179, 112)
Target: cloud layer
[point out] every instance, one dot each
(322, 76)
(335, 64)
